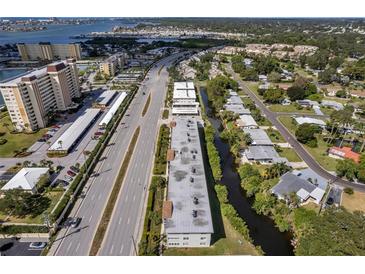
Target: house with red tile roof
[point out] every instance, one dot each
(344, 153)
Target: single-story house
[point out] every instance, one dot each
(308, 120)
(246, 121)
(258, 136)
(26, 179)
(306, 184)
(263, 155)
(344, 153)
(358, 93)
(332, 104)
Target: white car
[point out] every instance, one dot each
(38, 245)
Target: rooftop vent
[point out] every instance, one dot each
(188, 134)
(193, 169)
(189, 140)
(195, 201)
(191, 179)
(195, 213)
(194, 157)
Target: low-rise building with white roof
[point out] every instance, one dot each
(73, 134)
(26, 179)
(309, 120)
(184, 99)
(113, 109)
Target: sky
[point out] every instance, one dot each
(183, 8)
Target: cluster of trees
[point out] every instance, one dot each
(356, 70)
(230, 213)
(213, 154)
(306, 134)
(336, 232)
(258, 186)
(236, 138)
(217, 90)
(350, 170)
(302, 88)
(20, 203)
(274, 95)
(261, 65)
(203, 66)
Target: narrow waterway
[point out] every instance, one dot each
(262, 229)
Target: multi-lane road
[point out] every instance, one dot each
(127, 217)
(303, 153)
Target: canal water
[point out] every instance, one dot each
(262, 229)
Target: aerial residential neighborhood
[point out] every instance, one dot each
(228, 136)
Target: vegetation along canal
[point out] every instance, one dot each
(262, 229)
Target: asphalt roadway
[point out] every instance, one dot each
(128, 212)
(307, 158)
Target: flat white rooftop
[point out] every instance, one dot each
(187, 187)
(73, 133)
(105, 97)
(184, 90)
(109, 115)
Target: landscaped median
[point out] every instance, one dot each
(104, 222)
(144, 111)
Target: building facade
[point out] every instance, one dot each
(111, 65)
(30, 98)
(48, 51)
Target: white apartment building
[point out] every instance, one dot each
(48, 51)
(32, 96)
(184, 99)
(186, 211)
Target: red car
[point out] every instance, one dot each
(71, 173)
(98, 133)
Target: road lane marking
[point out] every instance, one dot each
(111, 249)
(126, 198)
(90, 218)
(134, 198)
(77, 247)
(120, 221)
(121, 249)
(128, 221)
(69, 246)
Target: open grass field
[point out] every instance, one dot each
(289, 154)
(354, 202)
(290, 108)
(319, 153)
(53, 195)
(275, 136)
(16, 141)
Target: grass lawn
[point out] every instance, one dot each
(354, 202)
(232, 244)
(290, 154)
(254, 86)
(327, 111)
(275, 136)
(53, 195)
(289, 108)
(312, 206)
(287, 121)
(16, 141)
(320, 154)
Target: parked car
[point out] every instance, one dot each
(68, 178)
(98, 133)
(71, 173)
(38, 245)
(74, 169)
(42, 140)
(75, 222)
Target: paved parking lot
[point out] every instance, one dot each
(13, 247)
